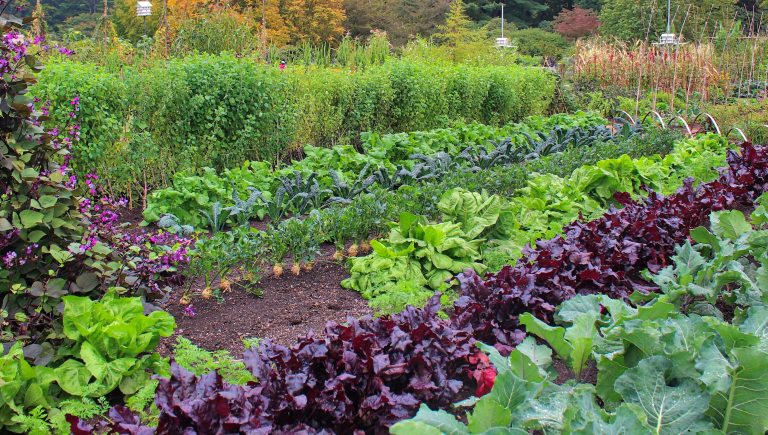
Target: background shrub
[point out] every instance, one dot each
(539, 42)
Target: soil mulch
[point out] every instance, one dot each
(290, 306)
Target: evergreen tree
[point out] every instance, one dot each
(457, 28)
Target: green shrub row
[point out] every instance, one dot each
(140, 126)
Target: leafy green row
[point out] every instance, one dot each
(675, 364)
(398, 147)
(482, 231)
(339, 173)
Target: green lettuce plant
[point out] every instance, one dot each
(106, 346)
(111, 345)
(428, 254)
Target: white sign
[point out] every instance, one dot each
(668, 39)
(143, 9)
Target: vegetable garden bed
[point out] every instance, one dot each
(561, 277)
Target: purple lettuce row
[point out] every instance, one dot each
(365, 375)
(603, 256)
(121, 421)
(372, 372)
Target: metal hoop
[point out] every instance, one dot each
(658, 118)
(629, 117)
(737, 130)
(685, 124)
(711, 121)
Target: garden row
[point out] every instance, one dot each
(367, 208)
(688, 360)
(140, 126)
(477, 229)
(326, 176)
(483, 232)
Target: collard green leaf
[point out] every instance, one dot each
(530, 361)
(573, 344)
(545, 411)
(553, 335)
(756, 324)
(511, 392)
(500, 363)
(670, 407)
(743, 407)
(702, 235)
(487, 415)
(729, 224)
(583, 416)
(581, 336)
(417, 427)
(429, 421)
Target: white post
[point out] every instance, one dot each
(669, 16)
(502, 20)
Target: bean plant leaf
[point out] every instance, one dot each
(669, 409)
(31, 218)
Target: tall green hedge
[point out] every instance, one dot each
(139, 127)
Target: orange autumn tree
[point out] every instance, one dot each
(316, 21)
(180, 10)
(279, 32)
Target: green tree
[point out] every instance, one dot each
(595, 5)
(131, 27)
(402, 20)
(457, 29)
(634, 19)
(524, 13)
(57, 11)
